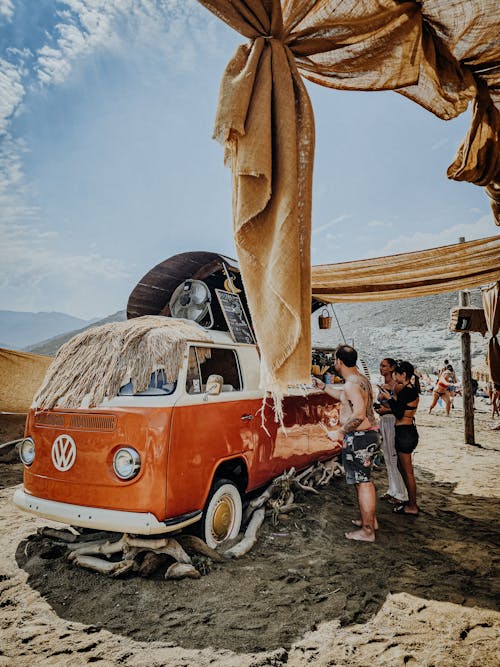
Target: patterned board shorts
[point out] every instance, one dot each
(358, 452)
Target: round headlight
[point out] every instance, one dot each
(126, 463)
(27, 451)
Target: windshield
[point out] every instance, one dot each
(158, 386)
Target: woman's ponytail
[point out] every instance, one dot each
(409, 370)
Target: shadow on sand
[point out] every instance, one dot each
(300, 573)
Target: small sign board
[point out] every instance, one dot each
(466, 318)
(236, 318)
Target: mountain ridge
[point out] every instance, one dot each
(50, 346)
(19, 329)
(414, 329)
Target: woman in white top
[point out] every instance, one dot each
(396, 493)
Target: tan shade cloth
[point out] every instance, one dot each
(491, 304)
(21, 374)
(411, 274)
(438, 53)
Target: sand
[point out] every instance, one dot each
(423, 594)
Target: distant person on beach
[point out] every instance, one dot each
(452, 373)
(404, 406)
(442, 390)
(396, 493)
(495, 400)
(361, 438)
(453, 388)
(445, 366)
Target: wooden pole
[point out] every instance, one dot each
(467, 393)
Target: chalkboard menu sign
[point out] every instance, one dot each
(235, 317)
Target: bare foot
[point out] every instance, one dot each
(407, 510)
(358, 523)
(361, 535)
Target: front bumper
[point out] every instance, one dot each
(139, 523)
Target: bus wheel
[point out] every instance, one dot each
(221, 520)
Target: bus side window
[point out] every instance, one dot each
(193, 380)
(222, 361)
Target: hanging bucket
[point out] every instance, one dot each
(324, 320)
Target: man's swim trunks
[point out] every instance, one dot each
(358, 452)
(406, 438)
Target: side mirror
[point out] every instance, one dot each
(213, 386)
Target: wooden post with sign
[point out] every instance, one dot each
(467, 393)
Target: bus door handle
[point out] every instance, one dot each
(246, 417)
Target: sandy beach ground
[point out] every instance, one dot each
(424, 594)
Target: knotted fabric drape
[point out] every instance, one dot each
(491, 305)
(409, 274)
(438, 53)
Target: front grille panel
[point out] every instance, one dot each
(50, 419)
(78, 421)
(92, 422)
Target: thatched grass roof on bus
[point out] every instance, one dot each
(93, 364)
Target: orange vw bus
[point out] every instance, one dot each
(179, 452)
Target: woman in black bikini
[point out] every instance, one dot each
(404, 406)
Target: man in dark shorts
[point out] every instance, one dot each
(361, 440)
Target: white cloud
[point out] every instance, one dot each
(333, 222)
(11, 92)
(28, 251)
(85, 27)
(15, 203)
(6, 8)
(90, 26)
(481, 228)
(378, 223)
(83, 30)
(440, 143)
(13, 191)
(31, 267)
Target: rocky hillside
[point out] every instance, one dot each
(19, 329)
(412, 329)
(50, 346)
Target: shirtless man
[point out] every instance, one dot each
(360, 435)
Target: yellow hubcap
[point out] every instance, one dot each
(223, 517)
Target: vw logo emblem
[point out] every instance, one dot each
(63, 452)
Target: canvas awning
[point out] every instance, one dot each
(437, 53)
(491, 303)
(444, 269)
(21, 374)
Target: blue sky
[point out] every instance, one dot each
(107, 165)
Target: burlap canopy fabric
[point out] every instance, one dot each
(21, 374)
(438, 53)
(410, 274)
(491, 305)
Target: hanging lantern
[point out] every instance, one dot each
(324, 320)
